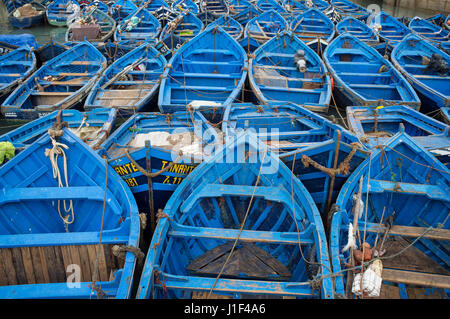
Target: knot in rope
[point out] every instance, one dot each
(99, 291)
(53, 154)
(160, 214)
(121, 252)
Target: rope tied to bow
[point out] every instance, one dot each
(121, 252)
(56, 151)
(343, 168)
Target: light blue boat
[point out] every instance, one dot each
(204, 78)
(239, 226)
(363, 77)
(130, 83)
(274, 74)
(402, 218)
(412, 57)
(70, 240)
(436, 35)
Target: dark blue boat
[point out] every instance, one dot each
(139, 27)
(265, 26)
(130, 83)
(185, 26)
(238, 226)
(375, 126)
(413, 58)
(275, 74)
(358, 29)
(313, 25)
(436, 35)
(163, 131)
(29, 15)
(438, 19)
(204, 77)
(49, 50)
(395, 207)
(15, 67)
(237, 6)
(184, 5)
(62, 13)
(19, 40)
(363, 77)
(121, 9)
(300, 137)
(91, 127)
(154, 5)
(113, 51)
(267, 5)
(234, 28)
(246, 15)
(216, 7)
(61, 83)
(390, 29)
(57, 242)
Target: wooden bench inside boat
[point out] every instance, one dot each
(49, 264)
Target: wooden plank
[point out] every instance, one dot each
(86, 272)
(416, 278)
(37, 265)
(49, 255)
(6, 258)
(3, 272)
(92, 256)
(53, 93)
(45, 268)
(75, 256)
(18, 265)
(408, 231)
(73, 74)
(60, 268)
(103, 273)
(28, 265)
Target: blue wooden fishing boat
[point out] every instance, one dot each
(294, 133)
(15, 67)
(93, 25)
(204, 78)
(321, 5)
(6, 48)
(12, 5)
(91, 127)
(237, 6)
(436, 35)
(358, 29)
(113, 51)
(139, 27)
(130, 83)
(413, 57)
(313, 25)
(286, 69)
(292, 9)
(16, 40)
(234, 28)
(438, 19)
(49, 50)
(265, 26)
(216, 7)
(206, 17)
(154, 5)
(185, 26)
(249, 44)
(237, 227)
(246, 15)
(121, 9)
(375, 126)
(29, 15)
(347, 8)
(55, 243)
(267, 5)
(97, 4)
(391, 30)
(363, 77)
(178, 142)
(394, 206)
(184, 5)
(61, 13)
(169, 45)
(165, 15)
(61, 83)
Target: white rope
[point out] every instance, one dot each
(53, 154)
